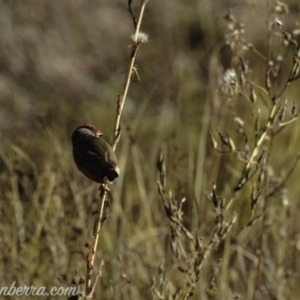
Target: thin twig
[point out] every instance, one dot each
(116, 136)
(123, 95)
(93, 247)
(131, 12)
(99, 274)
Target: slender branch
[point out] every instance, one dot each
(116, 136)
(93, 247)
(123, 95)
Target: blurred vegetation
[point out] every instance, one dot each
(62, 65)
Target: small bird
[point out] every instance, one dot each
(93, 156)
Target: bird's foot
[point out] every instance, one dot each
(104, 187)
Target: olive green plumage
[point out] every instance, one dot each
(93, 156)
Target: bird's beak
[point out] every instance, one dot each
(99, 134)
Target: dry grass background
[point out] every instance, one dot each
(61, 66)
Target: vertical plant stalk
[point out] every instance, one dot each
(123, 95)
(93, 247)
(89, 289)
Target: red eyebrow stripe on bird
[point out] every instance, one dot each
(94, 128)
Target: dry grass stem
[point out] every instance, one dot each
(100, 218)
(134, 50)
(92, 248)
